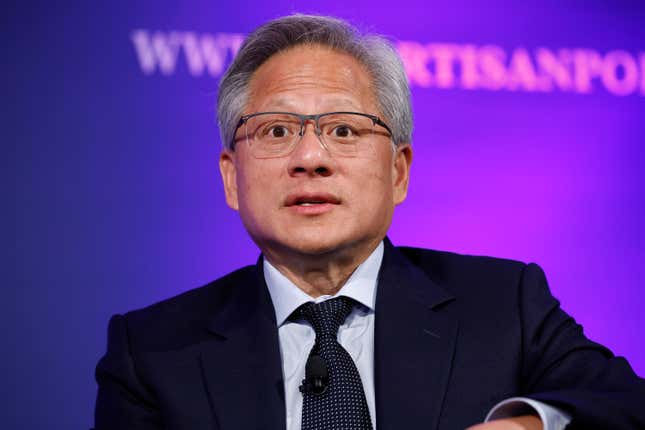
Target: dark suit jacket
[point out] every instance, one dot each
(454, 335)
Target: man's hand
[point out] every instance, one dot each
(525, 422)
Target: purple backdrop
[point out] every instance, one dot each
(528, 145)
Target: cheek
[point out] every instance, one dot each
(373, 186)
(256, 185)
(382, 172)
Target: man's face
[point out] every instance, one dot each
(313, 202)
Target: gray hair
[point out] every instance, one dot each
(389, 80)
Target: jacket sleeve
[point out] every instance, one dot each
(123, 402)
(561, 367)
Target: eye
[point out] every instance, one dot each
(278, 131)
(344, 127)
(343, 131)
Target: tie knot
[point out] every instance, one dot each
(325, 317)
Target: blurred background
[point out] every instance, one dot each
(529, 144)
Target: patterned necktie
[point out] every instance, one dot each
(342, 405)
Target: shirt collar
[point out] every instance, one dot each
(361, 286)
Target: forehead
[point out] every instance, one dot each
(310, 78)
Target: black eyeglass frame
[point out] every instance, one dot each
(303, 118)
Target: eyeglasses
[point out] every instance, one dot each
(275, 134)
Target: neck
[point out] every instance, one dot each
(322, 274)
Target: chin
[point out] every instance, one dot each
(323, 243)
(311, 246)
(308, 244)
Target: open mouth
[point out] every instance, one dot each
(309, 200)
(310, 203)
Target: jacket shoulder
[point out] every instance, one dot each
(445, 259)
(462, 273)
(182, 319)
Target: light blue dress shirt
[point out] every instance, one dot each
(356, 335)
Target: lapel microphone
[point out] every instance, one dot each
(316, 376)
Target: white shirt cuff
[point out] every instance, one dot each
(552, 417)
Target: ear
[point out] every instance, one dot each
(228, 170)
(401, 172)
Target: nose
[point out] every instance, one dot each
(311, 157)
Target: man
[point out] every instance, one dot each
(335, 327)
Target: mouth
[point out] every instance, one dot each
(312, 203)
(311, 199)
(309, 203)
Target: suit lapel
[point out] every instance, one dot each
(414, 342)
(242, 366)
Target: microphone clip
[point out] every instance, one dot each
(316, 377)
